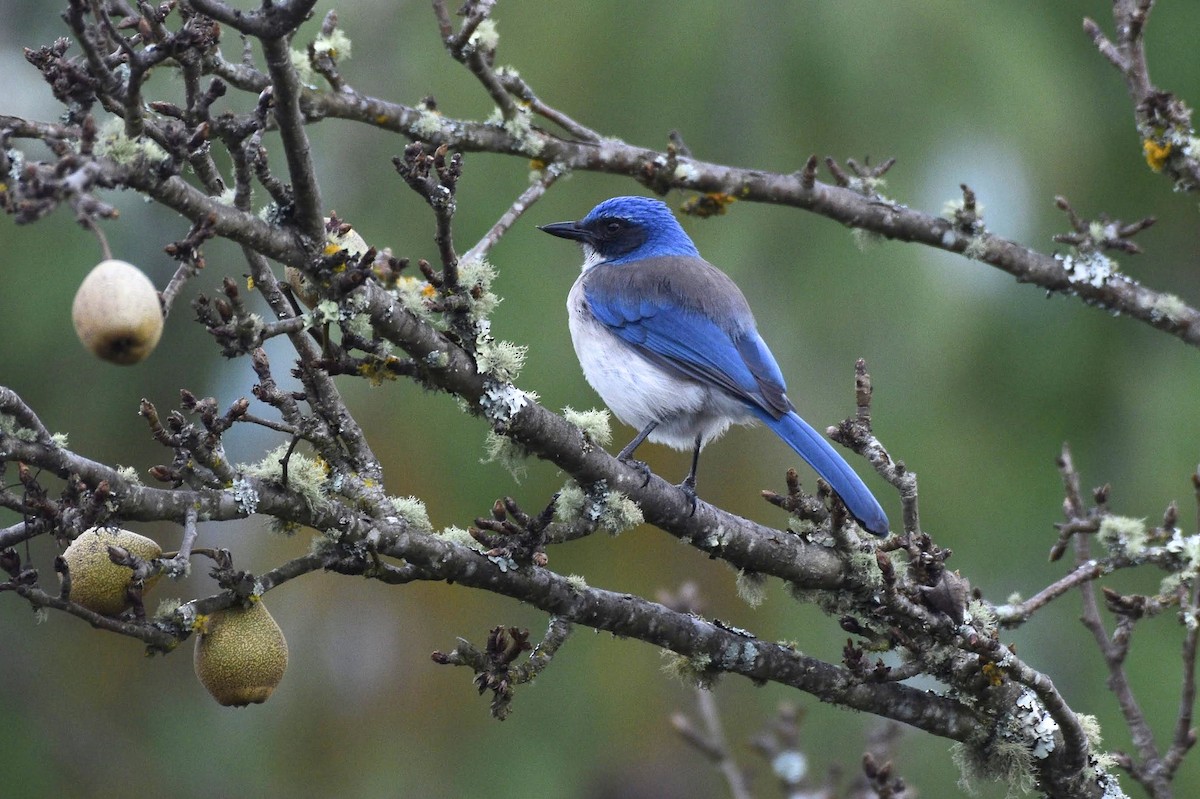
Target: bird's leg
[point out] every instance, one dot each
(626, 455)
(688, 486)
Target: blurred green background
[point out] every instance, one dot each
(978, 383)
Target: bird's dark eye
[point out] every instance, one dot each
(613, 236)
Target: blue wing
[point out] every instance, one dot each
(688, 316)
(685, 314)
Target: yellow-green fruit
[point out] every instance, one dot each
(117, 314)
(96, 582)
(241, 655)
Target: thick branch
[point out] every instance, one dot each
(286, 97)
(853, 209)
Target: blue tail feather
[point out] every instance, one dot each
(817, 452)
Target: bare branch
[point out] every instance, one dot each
(520, 205)
(1164, 122)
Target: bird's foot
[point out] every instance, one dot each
(641, 467)
(688, 487)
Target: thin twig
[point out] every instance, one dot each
(528, 197)
(712, 743)
(1016, 614)
(180, 564)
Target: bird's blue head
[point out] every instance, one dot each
(625, 229)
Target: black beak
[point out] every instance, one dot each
(567, 230)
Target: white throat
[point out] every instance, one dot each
(591, 257)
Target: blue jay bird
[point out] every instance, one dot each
(669, 343)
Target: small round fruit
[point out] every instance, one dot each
(117, 313)
(96, 582)
(241, 655)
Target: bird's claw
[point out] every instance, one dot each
(641, 467)
(688, 487)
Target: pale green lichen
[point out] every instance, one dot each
(805, 528)
(520, 126)
(751, 587)
(1005, 762)
(506, 452)
(10, 427)
(611, 511)
(620, 513)
(1124, 534)
(1168, 307)
(59, 440)
(360, 325)
(576, 583)
(416, 295)
(1091, 730)
(1177, 543)
(428, 124)
(303, 67)
(167, 606)
(1102, 231)
(325, 312)
(952, 209)
(273, 214)
(501, 359)
(460, 537)
(413, 511)
(285, 527)
(865, 568)
(1031, 724)
(981, 616)
(1173, 582)
(976, 248)
(323, 544)
(568, 506)
(1103, 762)
(477, 274)
(865, 239)
(305, 476)
(485, 36)
(685, 172)
(696, 670)
(112, 143)
(129, 474)
(594, 424)
(868, 186)
(1186, 547)
(832, 603)
(336, 44)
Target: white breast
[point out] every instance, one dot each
(639, 392)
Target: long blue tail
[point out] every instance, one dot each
(817, 452)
